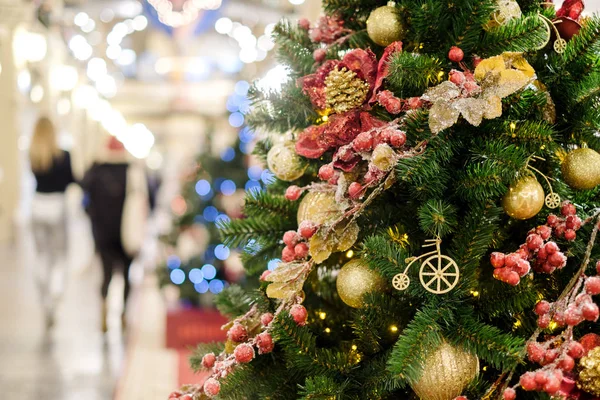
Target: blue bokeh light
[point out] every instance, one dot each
(228, 154)
(195, 275)
(222, 218)
(228, 187)
(274, 263)
(241, 88)
(215, 286)
(177, 276)
(209, 271)
(222, 252)
(201, 287)
(199, 219)
(252, 185)
(203, 187)
(208, 196)
(267, 177)
(236, 119)
(209, 255)
(246, 135)
(173, 262)
(254, 172)
(210, 213)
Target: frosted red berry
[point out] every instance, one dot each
(570, 235)
(398, 138)
(266, 319)
(567, 209)
(535, 352)
(461, 398)
(299, 314)
(186, 397)
(288, 254)
(534, 241)
(237, 333)
(552, 386)
(307, 229)
(527, 381)
(541, 377)
(355, 190)
(304, 23)
(592, 285)
(497, 259)
(590, 311)
(541, 308)
(291, 238)
(552, 220)
(557, 259)
(543, 321)
(511, 260)
(456, 54)
(523, 268)
(293, 193)
(264, 342)
(319, 55)
(363, 142)
(264, 275)
(176, 395)
(212, 387)
(326, 172)
(566, 363)
(457, 77)
(512, 278)
(551, 248)
(509, 394)
(598, 267)
(414, 103)
(573, 317)
(544, 231)
(549, 356)
(244, 353)
(208, 361)
(575, 350)
(301, 250)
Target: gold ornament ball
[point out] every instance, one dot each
(524, 199)
(384, 26)
(446, 372)
(589, 375)
(355, 279)
(581, 169)
(319, 207)
(285, 163)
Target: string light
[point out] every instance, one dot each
(327, 330)
(354, 347)
(517, 324)
(394, 328)
(474, 293)
(188, 14)
(350, 254)
(322, 315)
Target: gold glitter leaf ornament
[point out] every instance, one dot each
(285, 281)
(589, 376)
(446, 372)
(344, 90)
(498, 77)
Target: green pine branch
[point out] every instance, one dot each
(260, 203)
(521, 34)
(437, 218)
(238, 232)
(411, 74)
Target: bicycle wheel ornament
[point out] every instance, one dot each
(439, 274)
(401, 281)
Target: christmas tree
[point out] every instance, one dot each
(436, 209)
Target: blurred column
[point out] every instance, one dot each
(12, 13)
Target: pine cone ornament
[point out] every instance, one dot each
(589, 377)
(344, 90)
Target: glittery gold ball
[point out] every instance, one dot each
(318, 207)
(589, 376)
(384, 26)
(524, 199)
(581, 169)
(355, 279)
(446, 372)
(285, 163)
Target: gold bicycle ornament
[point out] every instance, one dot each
(552, 199)
(438, 274)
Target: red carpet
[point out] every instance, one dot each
(185, 329)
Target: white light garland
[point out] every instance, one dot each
(188, 14)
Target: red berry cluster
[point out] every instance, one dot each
(465, 82)
(394, 105)
(568, 226)
(296, 245)
(177, 395)
(545, 255)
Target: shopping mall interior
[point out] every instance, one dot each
(170, 80)
(166, 86)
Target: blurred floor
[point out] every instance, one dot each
(73, 361)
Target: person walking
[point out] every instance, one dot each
(117, 199)
(51, 167)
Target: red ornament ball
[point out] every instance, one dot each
(209, 360)
(244, 353)
(237, 333)
(301, 250)
(456, 54)
(266, 319)
(293, 193)
(264, 342)
(509, 394)
(299, 314)
(212, 387)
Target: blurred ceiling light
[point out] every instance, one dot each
(0, 69)
(127, 57)
(140, 23)
(154, 160)
(113, 51)
(127, 8)
(36, 94)
(274, 79)
(261, 55)
(95, 38)
(189, 10)
(223, 25)
(269, 29)
(138, 140)
(265, 43)
(247, 41)
(114, 122)
(85, 96)
(240, 32)
(24, 81)
(28, 46)
(99, 110)
(80, 47)
(107, 86)
(89, 26)
(81, 19)
(296, 2)
(248, 55)
(96, 68)
(63, 77)
(114, 39)
(120, 29)
(163, 66)
(63, 106)
(107, 15)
